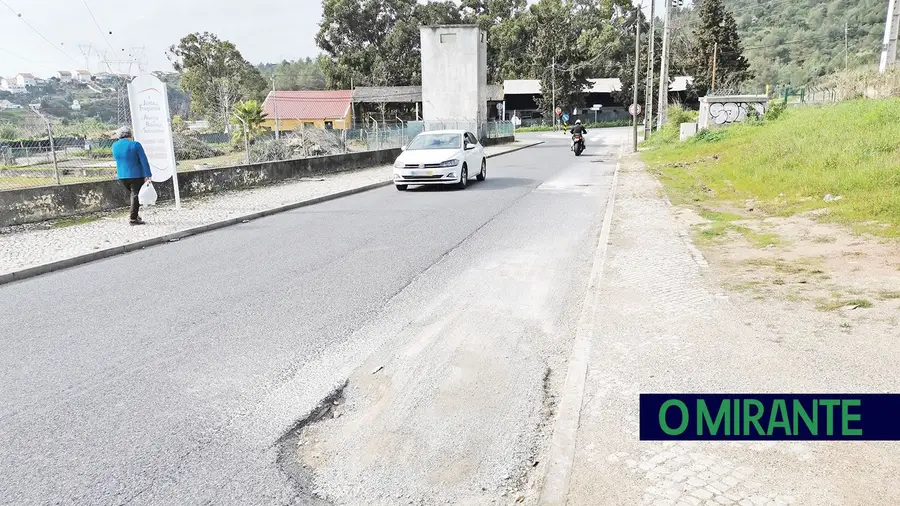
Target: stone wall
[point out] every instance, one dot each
(30, 205)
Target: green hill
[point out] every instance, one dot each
(795, 41)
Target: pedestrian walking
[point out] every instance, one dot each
(132, 169)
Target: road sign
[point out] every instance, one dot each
(634, 109)
(499, 106)
(558, 111)
(152, 127)
(596, 107)
(565, 117)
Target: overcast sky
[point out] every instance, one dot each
(264, 31)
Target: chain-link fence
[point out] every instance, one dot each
(75, 152)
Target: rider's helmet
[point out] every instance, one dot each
(577, 121)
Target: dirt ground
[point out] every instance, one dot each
(800, 260)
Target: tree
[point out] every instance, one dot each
(215, 75)
(251, 112)
(179, 125)
(718, 46)
(555, 60)
(376, 42)
(302, 74)
(505, 25)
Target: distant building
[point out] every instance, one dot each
(25, 80)
(308, 109)
(76, 105)
(197, 126)
(81, 76)
(11, 85)
(520, 95)
(6, 104)
(105, 77)
(64, 76)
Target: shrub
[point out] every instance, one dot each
(192, 148)
(707, 135)
(775, 110)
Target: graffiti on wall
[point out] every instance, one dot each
(723, 113)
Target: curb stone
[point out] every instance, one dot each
(38, 270)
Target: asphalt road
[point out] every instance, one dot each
(169, 375)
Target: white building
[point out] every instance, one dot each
(105, 77)
(454, 74)
(76, 105)
(25, 80)
(11, 84)
(6, 104)
(64, 76)
(81, 76)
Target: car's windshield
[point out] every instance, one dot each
(436, 141)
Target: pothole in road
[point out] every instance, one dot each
(287, 447)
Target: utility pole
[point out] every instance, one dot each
(637, 77)
(648, 101)
(889, 45)
(846, 45)
(275, 105)
(715, 64)
(553, 90)
(664, 70)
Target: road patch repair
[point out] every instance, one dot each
(35, 249)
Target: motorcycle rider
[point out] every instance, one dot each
(578, 129)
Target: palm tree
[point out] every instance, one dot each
(251, 112)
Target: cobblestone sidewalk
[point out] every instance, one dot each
(663, 325)
(32, 245)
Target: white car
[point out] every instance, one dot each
(443, 157)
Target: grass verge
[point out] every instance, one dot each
(788, 165)
(70, 222)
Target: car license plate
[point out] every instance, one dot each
(423, 173)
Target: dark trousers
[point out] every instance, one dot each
(133, 186)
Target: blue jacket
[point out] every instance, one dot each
(131, 161)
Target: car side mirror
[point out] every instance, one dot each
(402, 148)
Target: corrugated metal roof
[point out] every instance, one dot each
(533, 86)
(308, 104)
(597, 85)
(522, 87)
(604, 85)
(680, 83)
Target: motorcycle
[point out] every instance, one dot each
(578, 145)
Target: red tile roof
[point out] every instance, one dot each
(308, 104)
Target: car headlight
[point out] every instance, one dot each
(450, 163)
(398, 165)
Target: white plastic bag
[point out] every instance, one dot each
(147, 195)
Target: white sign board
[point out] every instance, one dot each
(596, 107)
(152, 126)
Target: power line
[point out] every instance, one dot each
(35, 30)
(97, 24)
(17, 55)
